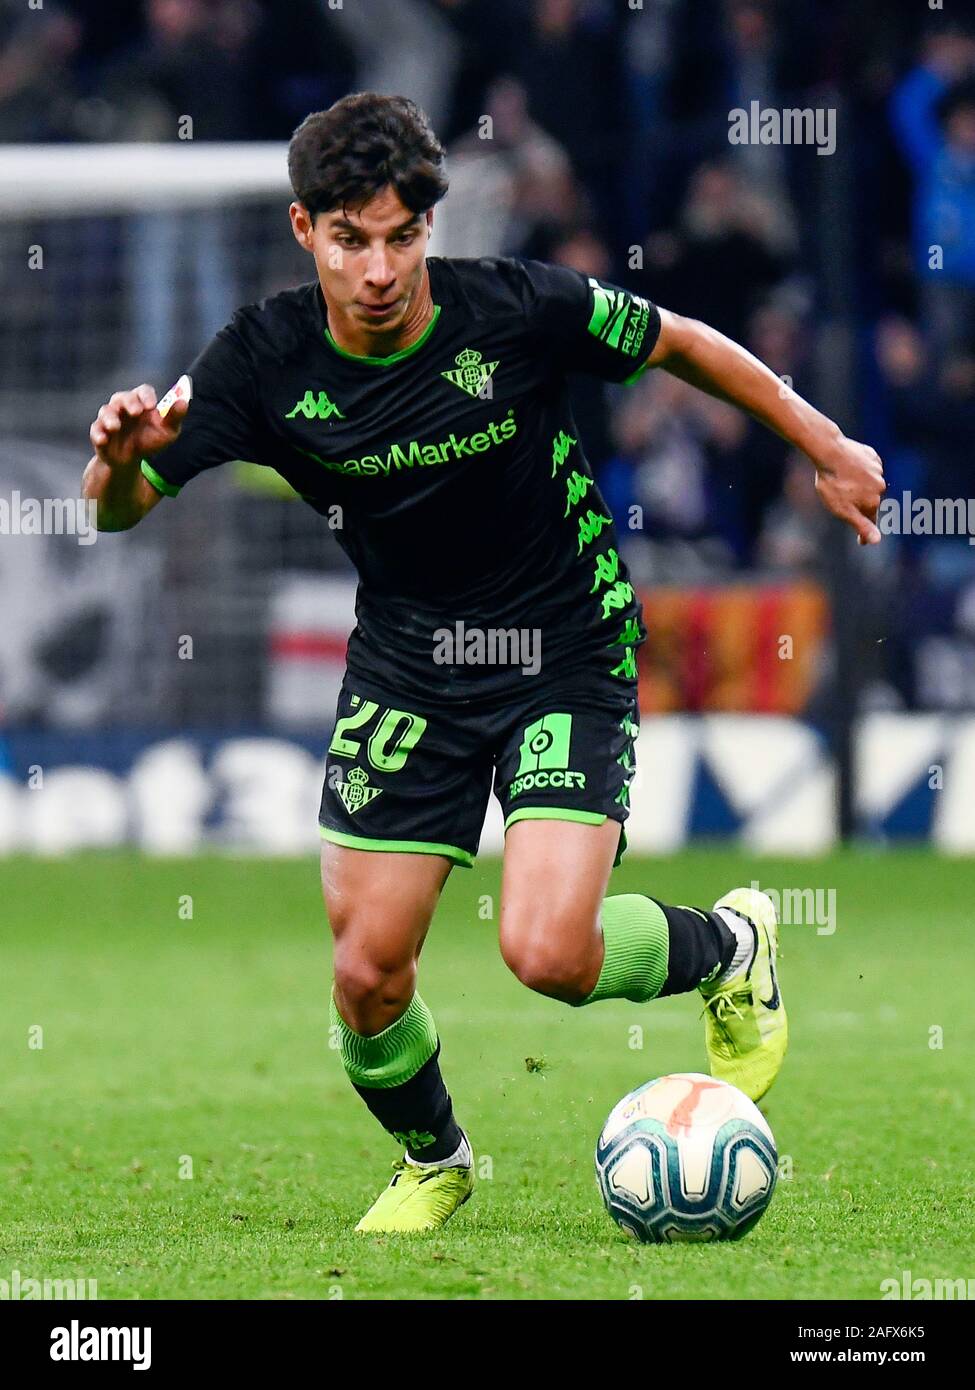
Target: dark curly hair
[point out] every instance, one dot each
(343, 156)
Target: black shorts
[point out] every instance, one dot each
(414, 775)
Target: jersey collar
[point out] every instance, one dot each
(376, 361)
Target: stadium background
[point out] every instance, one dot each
(176, 684)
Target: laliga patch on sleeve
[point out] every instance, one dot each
(182, 391)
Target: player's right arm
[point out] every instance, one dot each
(127, 429)
(146, 450)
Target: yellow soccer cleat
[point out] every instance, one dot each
(746, 1030)
(419, 1198)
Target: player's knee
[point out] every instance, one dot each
(540, 960)
(371, 993)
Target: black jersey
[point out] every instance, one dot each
(452, 471)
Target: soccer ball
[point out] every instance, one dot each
(686, 1157)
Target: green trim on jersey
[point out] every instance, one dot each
(339, 837)
(637, 374)
(555, 813)
(609, 310)
(160, 484)
(393, 357)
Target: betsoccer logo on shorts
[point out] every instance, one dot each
(544, 756)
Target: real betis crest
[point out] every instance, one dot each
(355, 792)
(471, 374)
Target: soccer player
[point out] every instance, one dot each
(426, 398)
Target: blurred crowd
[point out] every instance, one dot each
(610, 120)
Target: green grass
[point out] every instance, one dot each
(207, 1038)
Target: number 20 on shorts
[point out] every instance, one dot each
(395, 735)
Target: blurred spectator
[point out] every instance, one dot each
(792, 533)
(932, 405)
(698, 468)
(735, 51)
(193, 62)
(107, 70)
(301, 60)
(933, 114)
(542, 190)
(648, 51)
(403, 46)
(660, 483)
(753, 469)
(487, 33)
(903, 359)
(731, 247)
(36, 50)
(569, 63)
(751, 63)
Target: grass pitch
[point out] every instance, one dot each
(185, 1131)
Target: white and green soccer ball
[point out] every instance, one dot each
(686, 1157)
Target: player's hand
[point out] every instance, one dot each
(850, 483)
(129, 428)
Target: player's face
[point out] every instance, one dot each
(370, 263)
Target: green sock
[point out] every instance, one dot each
(397, 1074)
(391, 1057)
(636, 946)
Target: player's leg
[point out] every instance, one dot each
(564, 937)
(563, 781)
(404, 797)
(379, 908)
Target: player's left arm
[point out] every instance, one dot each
(849, 475)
